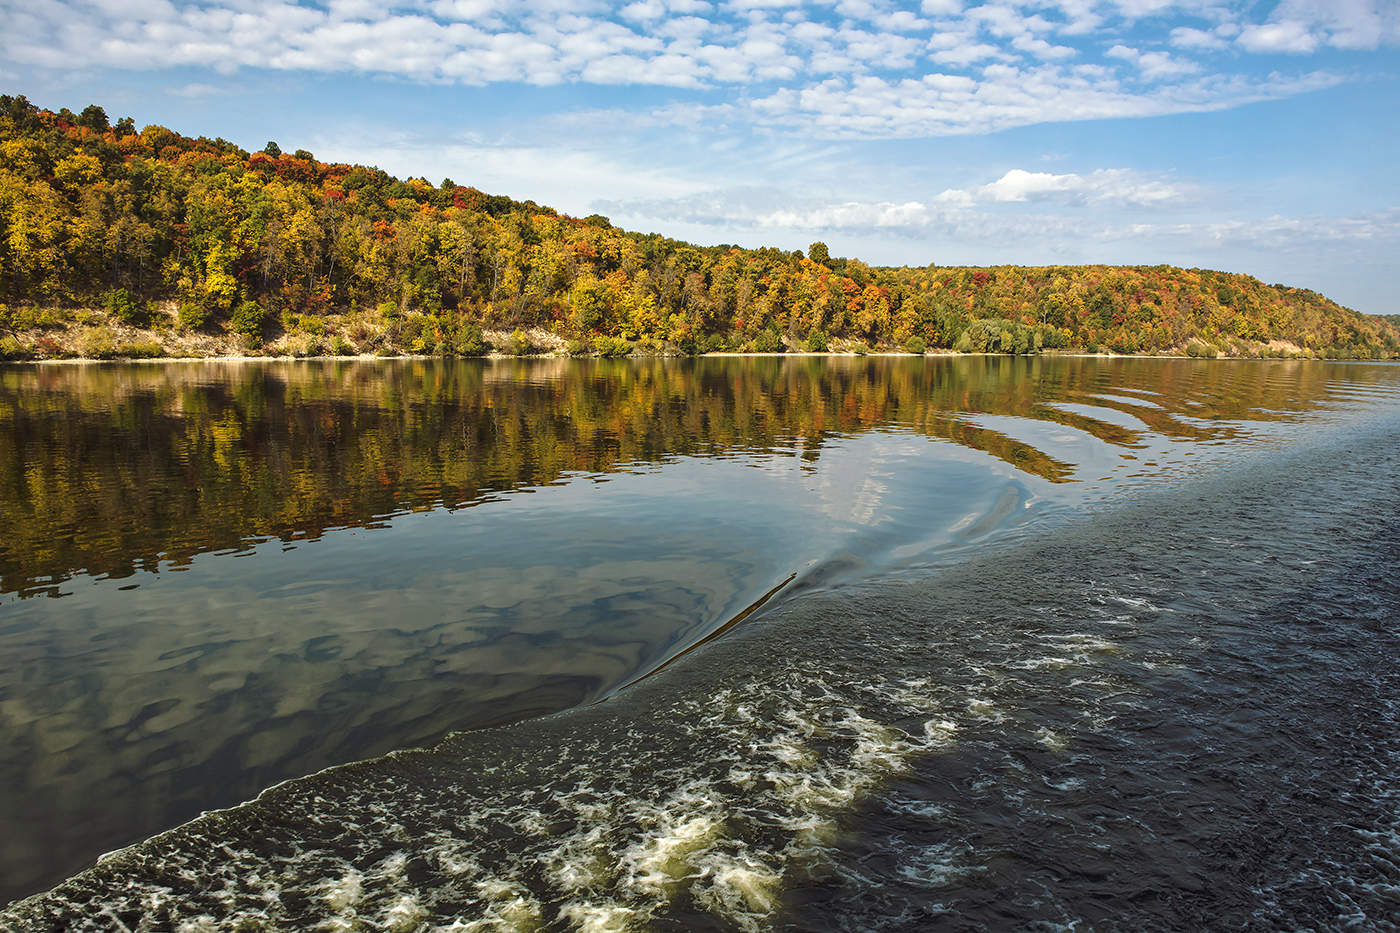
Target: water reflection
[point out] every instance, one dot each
(622, 511)
(113, 469)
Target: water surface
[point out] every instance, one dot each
(217, 577)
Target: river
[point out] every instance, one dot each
(860, 643)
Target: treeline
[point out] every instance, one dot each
(108, 233)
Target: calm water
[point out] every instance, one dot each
(981, 642)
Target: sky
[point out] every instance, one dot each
(1257, 137)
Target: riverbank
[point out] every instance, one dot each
(94, 336)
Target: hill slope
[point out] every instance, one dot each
(119, 242)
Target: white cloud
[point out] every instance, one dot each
(196, 90)
(1280, 232)
(1002, 96)
(1184, 37)
(1153, 66)
(1354, 24)
(1042, 49)
(836, 67)
(1290, 37)
(941, 7)
(1120, 186)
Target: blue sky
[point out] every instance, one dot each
(1258, 137)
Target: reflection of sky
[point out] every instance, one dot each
(289, 657)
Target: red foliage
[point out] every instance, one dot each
(290, 168)
(468, 199)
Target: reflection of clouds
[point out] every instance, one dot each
(856, 475)
(277, 664)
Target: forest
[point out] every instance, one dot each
(119, 242)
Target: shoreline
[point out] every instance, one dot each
(497, 357)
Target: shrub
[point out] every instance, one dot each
(193, 316)
(304, 345)
(342, 347)
(915, 344)
(140, 350)
(123, 307)
(816, 341)
(769, 341)
(49, 348)
(31, 318)
(248, 319)
(12, 349)
(519, 343)
(612, 347)
(468, 341)
(415, 333)
(97, 343)
(575, 348)
(859, 348)
(308, 324)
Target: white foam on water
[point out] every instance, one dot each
(938, 865)
(661, 858)
(588, 917)
(345, 891)
(1051, 739)
(983, 709)
(405, 915)
(778, 765)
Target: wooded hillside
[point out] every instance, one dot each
(115, 241)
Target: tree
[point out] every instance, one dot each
(819, 254)
(94, 118)
(249, 319)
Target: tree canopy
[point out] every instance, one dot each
(160, 231)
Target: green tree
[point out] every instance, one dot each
(249, 319)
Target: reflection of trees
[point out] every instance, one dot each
(108, 469)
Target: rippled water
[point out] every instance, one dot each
(1041, 641)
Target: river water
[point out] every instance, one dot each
(881, 643)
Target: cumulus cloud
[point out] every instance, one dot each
(1343, 24)
(1187, 37)
(1288, 36)
(1153, 66)
(1120, 186)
